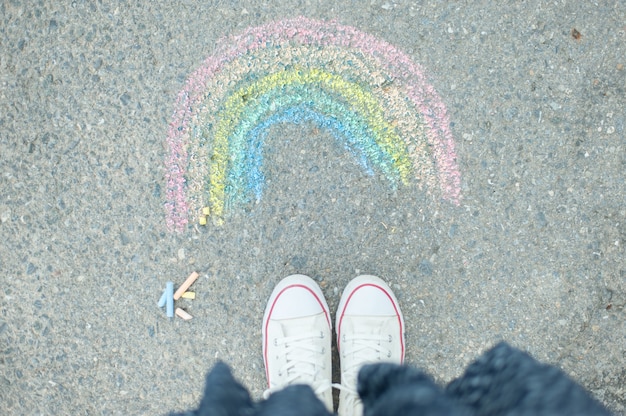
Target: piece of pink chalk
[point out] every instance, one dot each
(182, 314)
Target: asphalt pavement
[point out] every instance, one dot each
(530, 248)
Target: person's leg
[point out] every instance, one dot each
(297, 338)
(296, 349)
(223, 395)
(370, 329)
(505, 380)
(398, 390)
(502, 381)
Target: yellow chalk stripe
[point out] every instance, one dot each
(188, 295)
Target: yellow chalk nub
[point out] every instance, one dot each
(202, 220)
(206, 210)
(188, 295)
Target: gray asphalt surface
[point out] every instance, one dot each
(534, 255)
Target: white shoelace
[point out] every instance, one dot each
(302, 366)
(365, 349)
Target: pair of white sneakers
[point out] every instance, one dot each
(297, 332)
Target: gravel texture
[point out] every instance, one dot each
(534, 254)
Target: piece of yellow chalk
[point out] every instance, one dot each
(182, 314)
(183, 288)
(206, 211)
(202, 220)
(188, 295)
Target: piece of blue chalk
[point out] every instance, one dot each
(169, 299)
(163, 299)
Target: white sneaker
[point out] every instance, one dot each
(297, 338)
(370, 329)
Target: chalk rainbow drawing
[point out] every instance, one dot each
(364, 91)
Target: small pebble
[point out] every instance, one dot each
(125, 98)
(426, 267)
(5, 214)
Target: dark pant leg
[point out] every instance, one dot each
(224, 396)
(394, 390)
(507, 381)
(503, 381)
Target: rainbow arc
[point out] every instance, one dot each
(365, 92)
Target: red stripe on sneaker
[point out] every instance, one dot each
(326, 313)
(395, 307)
